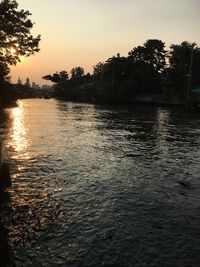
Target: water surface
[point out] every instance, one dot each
(103, 186)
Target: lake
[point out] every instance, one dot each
(102, 186)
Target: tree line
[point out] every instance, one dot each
(148, 69)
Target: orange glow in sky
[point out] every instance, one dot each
(84, 32)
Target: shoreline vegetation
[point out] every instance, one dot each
(149, 75)
(7, 95)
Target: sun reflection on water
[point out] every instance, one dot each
(18, 136)
(162, 130)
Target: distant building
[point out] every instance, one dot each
(35, 86)
(46, 87)
(19, 81)
(27, 83)
(32, 90)
(26, 90)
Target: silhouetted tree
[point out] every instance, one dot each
(15, 37)
(180, 60)
(98, 71)
(4, 70)
(62, 82)
(114, 68)
(15, 40)
(77, 72)
(138, 54)
(121, 79)
(152, 52)
(57, 77)
(64, 75)
(145, 65)
(180, 55)
(156, 54)
(53, 78)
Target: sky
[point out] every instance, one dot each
(85, 32)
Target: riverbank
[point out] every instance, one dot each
(143, 99)
(5, 213)
(6, 256)
(107, 93)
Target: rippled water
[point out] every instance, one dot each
(102, 186)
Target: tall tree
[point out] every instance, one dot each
(138, 54)
(113, 70)
(152, 52)
(156, 54)
(77, 72)
(15, 35)
(180, 55)
(98, 71)
(180, 64)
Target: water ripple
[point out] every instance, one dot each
(99, 186)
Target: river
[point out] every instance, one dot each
(102, 186)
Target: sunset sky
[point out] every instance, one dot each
(84, 32)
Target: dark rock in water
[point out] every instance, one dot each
(5, 180)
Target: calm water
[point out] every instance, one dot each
(98, 186)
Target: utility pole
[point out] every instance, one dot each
(190, 75)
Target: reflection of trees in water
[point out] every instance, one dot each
(132, 123)
(137, 121)
(156, 128)
(72, 111)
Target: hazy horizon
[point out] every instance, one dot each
(82, 33)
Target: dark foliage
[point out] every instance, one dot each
(144, 72)
(15, 39)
